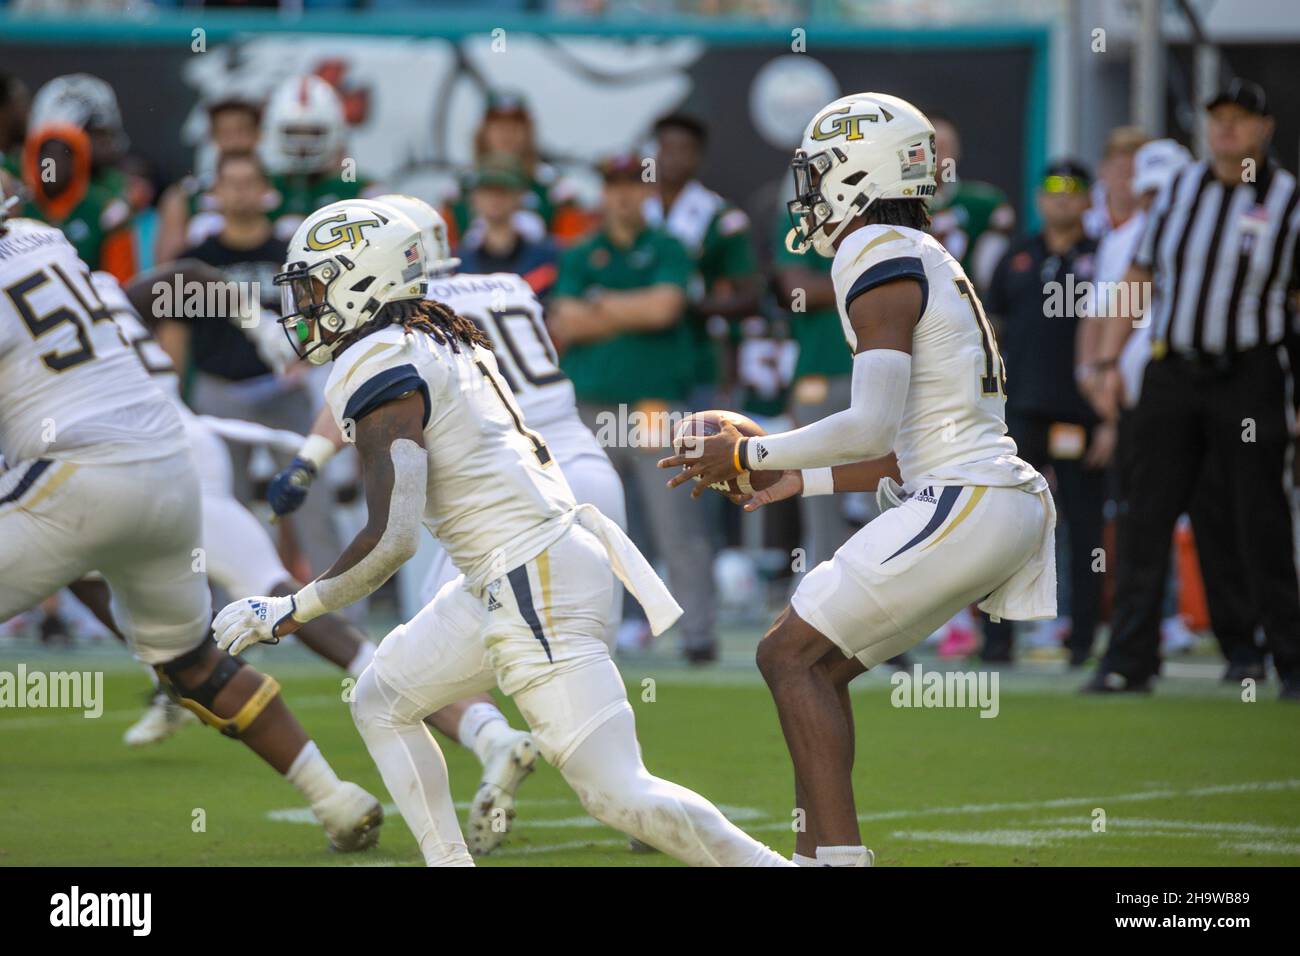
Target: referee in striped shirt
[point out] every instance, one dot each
(1219, 257)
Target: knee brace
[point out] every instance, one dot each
(198, 698)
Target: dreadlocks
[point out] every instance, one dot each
(433, 318)
(913, 213)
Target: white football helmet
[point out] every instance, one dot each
(85, 101)
(304, 129)
(345, 262)
(433, 230)
(861, 148)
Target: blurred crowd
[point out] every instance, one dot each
(727, 317)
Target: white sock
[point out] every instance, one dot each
(798, 859)
(365, 654)
(311, 773)
(481, 726)
(842, 856)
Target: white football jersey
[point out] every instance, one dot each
(152, 357)
(504, 307)
(211, 457)
(70, 385)
(953, 428)
(491, 478)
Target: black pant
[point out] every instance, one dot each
(1080, 497)
(1234, 418)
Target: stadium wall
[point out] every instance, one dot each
(414, 84)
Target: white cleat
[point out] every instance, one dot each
(351, 818)
(493, 811)
(162, 719)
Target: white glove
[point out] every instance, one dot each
(888, 494)
(249, 621)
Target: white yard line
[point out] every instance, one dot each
(1262, 786)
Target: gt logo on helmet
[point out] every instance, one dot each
(842, 124)
(350, 232)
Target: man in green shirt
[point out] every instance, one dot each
(616, 314)
(717, 235)
(822, 376)
(973, 220)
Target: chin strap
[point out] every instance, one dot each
(792, 243)
(860, 205)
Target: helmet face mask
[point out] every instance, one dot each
(305, 146)
(304, 307)
(809, 211)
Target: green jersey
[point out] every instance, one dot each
(88, 224)
(822, 349)
(301, 195)
(633, 366)
(717, 236)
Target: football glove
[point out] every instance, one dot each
(288, 489)
(249, 621)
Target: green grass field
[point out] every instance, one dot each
(1191, 776)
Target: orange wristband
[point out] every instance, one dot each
(735, 456)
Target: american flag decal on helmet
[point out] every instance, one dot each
(412, 253)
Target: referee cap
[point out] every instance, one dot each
(1244, 93)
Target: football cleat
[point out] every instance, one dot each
(351, 818)
(161, 720)
(493, 811)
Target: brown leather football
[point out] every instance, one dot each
(708, 423)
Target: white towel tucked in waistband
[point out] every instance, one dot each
(631, 567)
(628, 563)
(1030, 593)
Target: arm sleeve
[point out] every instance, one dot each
(866, 429)
(396, 546)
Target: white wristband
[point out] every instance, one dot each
(308, 605)
(818, 481)
(317, 449)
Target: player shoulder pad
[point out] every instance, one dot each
(372, 371)
(874, 255)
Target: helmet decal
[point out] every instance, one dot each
(340, 231)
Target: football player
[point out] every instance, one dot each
(101, 478)
(442, 441)
(504, 307)
(239, 554)
(972, 523)
(304, 132)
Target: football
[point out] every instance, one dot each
(710, 423)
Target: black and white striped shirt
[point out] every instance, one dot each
(1223, 259)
